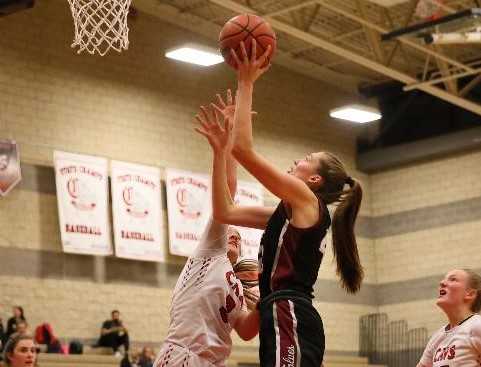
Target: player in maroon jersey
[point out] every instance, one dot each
(291, 330)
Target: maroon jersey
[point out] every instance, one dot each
(290, 257)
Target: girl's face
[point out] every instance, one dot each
(16, 312)
(307, 168)
(454, 290)
(233, 244)
(24, 354)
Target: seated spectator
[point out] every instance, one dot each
(18, 315)
(131, 359)
(22, 328)
(114, 334)
(2, 336)
(20, 351)
(147, 357)
(44, 335)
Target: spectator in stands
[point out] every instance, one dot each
(22, 328)
(147, 357)
(44, 335)
(114, 334)
(20, 351)
(2, 335)
(131, 359)
(18, 315)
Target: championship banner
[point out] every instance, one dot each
(137, 211)
(82, 195)
(249, 194)
(10, 174)
(188, 208)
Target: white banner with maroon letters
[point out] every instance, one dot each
(10, 174)
(82, 195)
(249, 194)
(137, 211)
(188, 208)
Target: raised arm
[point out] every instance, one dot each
(214, 237)
(224, 175)
(281, 184)
(227, 109)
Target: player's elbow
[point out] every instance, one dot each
(220, 216)
(232, 184)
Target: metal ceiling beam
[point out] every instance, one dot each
(470, 85)
(291, 8)
(450, 84)
(311, 18)
(368, 63)
(339, 37)
(404, 40)
(371, 35)
(210, 30)
(444, 78)
(410, 13)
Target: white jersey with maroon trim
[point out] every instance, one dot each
(207, 300)
(459, 346)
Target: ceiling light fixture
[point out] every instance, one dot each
(356, 113)
(194, 54)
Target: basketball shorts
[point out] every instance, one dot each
(291, 331)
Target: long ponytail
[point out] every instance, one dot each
(348, 202)
(344, 240)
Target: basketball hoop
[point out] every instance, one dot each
(428, 9)
(100, 25)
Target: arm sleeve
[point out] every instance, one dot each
(476, 337)
(213, 241)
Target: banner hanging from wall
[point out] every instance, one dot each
(137, 211)
(249, 194)
(188, 207)
(10, 174)
(82, 196)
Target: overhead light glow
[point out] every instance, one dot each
(356, 113)
(195, 55)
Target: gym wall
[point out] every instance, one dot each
(138, 107)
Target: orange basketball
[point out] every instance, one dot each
(246, 27)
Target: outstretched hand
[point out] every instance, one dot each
(219, 137)
(225, 107)
(250, 69)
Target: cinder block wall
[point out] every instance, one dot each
(427, 221)
(138, 107)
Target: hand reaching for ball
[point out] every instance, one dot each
(249, 69)
(246, 28)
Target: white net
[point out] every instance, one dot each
(100, 25)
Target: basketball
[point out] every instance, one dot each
(246, 27)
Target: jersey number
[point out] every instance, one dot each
(225, 310)
(229, 301)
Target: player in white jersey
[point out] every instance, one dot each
(208, 300)
(458, 344)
